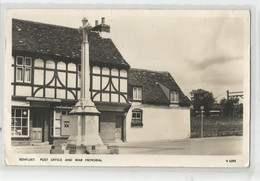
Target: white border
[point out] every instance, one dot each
(150, 173)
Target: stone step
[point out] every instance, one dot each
(40, 143)
(20, 143)
(32, 149)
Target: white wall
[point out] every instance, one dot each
(159, 123)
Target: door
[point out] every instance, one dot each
(40, 128)
(37, 126)
(119, 129)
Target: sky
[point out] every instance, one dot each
(201, 49)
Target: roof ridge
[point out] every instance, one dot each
(153, 71)
(36, 22)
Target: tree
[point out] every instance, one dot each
(231, 106)
(200, 98)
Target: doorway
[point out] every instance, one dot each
(119, 128)
(40, 125)
(112, 127)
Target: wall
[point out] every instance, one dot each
(108, 126)
(60, 80)
(57, 79)
(159, 123)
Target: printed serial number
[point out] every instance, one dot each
(231, 161)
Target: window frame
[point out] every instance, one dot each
(138, 89)
(30, 75)
(21, 126)
(16, 78)
(55, 117)
(66, 124)
(175, 95)
(79, 74)
(24, 67)
(134, 122)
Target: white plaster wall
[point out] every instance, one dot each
(159, 123)
(23, 90)
(38, 77)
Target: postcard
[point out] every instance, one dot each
(127, 87)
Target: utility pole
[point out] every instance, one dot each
(201, 110)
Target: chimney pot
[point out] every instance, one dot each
(96, 22)
(103, 20)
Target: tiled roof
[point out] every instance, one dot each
(65, 42)
(152, 92)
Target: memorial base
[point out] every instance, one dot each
(84, 136)
(94, 149)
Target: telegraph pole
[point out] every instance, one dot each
(201, 110)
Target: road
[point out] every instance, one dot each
(231, 145)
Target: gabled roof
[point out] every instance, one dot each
(152, 83)
(65, 42)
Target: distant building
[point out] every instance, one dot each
(216, 110)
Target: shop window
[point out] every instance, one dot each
(137, 93)
(174, 97)
(23, 69)
(137, 118)
(20, 122)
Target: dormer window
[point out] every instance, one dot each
(137, 93)
(23, 69)
(174, 97)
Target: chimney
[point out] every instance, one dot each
(101, 27)
(103, 20)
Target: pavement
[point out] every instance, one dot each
(229, 145)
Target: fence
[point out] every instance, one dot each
(217, 126)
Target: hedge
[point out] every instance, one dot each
(217, 126)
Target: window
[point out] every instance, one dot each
(79, 75)
(58, 121)
(137, 118)
(20, 122)
(66, 124)
(137, 93)
(174, 97)
(23, 69)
